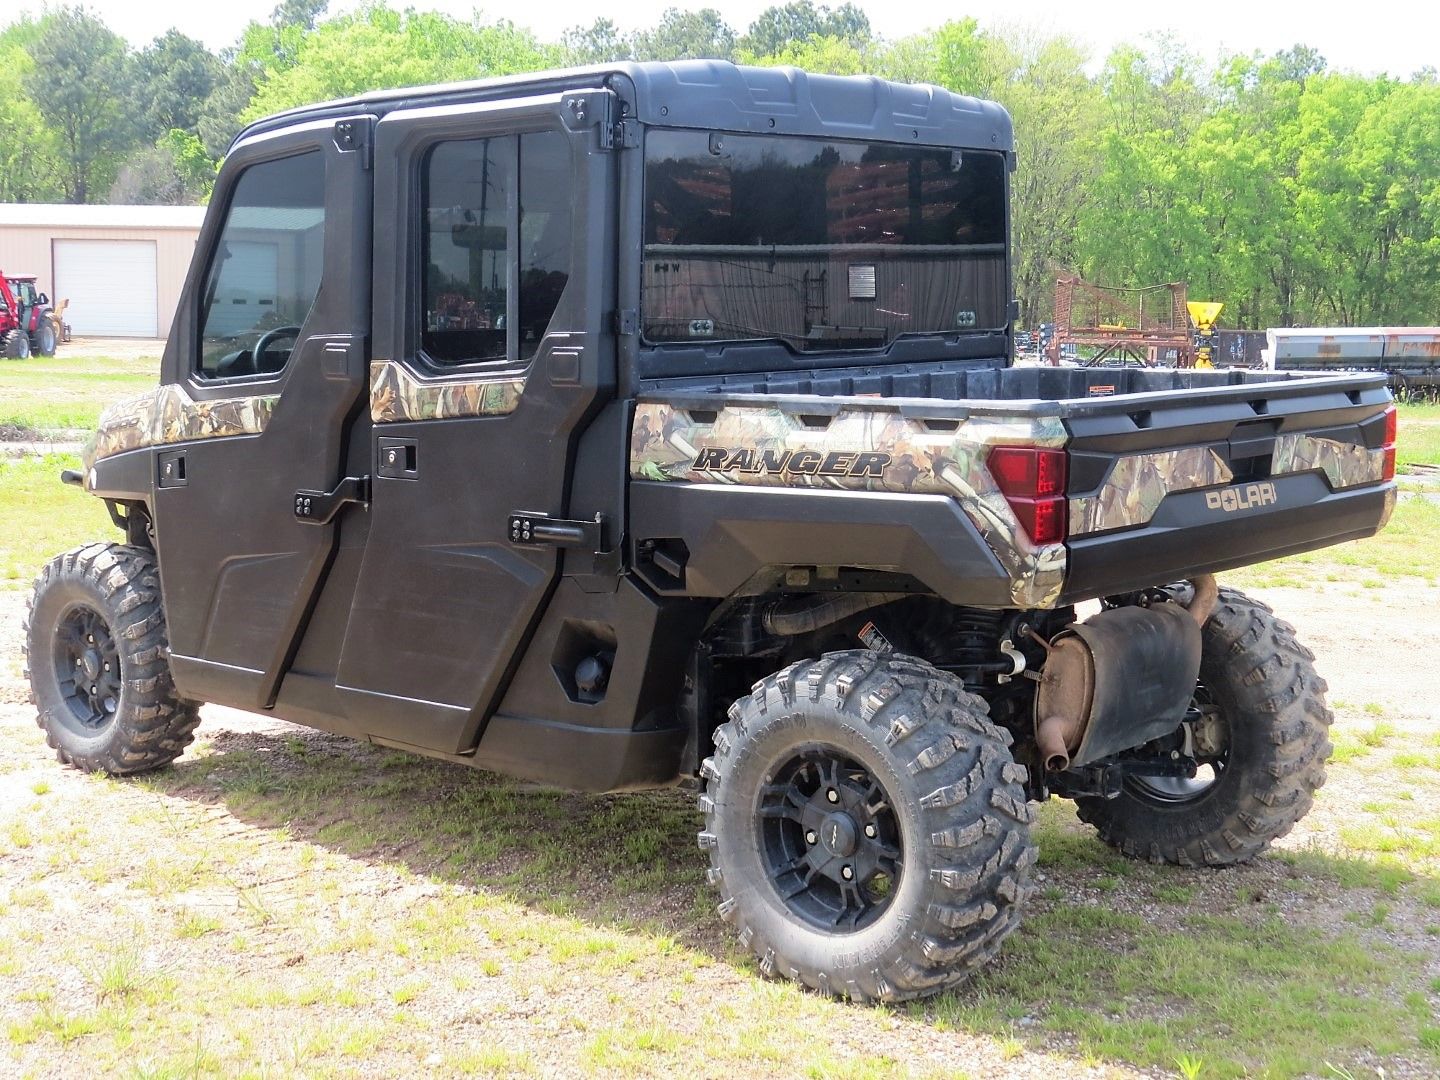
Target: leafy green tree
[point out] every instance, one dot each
(827, 55)
(686, 35)
(178, 75)
(82, 82)
(788, 26)
(302, 13)
(28, 149)
(176, 171)
(597, 43)
(377, 47)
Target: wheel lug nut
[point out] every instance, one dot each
(847, 873)
(870, 830)
(832, 795)
(810, 836)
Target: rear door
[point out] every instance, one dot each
(265, 366)
(490, 296)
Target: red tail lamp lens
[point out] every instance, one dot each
(1392, 429)
(1029, 471)
(1043, 519)
(1032, 479)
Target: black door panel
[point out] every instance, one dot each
(240, 573)
(445, 604)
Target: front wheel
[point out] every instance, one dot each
(97, 659)
(1259, 723)
(867, 827)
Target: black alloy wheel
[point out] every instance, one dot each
(830, 840)
(1202, 716)
(87, 667)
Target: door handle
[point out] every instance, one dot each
(320, 507)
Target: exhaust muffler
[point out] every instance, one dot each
(1119, 679)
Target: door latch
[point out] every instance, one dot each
(320, 507)
(530, 527)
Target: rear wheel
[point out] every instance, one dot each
(96, 656)
(15, 345)
(1258, 724)
(867, 827)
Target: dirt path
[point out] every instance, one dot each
(245, 909)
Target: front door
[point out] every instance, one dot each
(490, 297)
(264, 369)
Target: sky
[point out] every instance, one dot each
(1390, 36)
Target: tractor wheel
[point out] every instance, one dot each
(15, 345)
(867, 827)
(43, 341)
(1260, 728)
(97, 657)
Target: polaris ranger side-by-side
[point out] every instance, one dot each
(629, 425)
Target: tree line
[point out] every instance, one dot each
(1295, 193)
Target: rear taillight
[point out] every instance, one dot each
(1392, 429)
(1032, 479)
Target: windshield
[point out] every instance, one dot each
(822, 244)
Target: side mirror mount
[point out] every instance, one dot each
(42, 299)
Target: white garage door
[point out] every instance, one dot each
(110, 285)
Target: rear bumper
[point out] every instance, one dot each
(1187, 536)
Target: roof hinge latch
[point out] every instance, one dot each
(354, 136)
(623, 134)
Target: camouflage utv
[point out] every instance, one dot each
(656, 423)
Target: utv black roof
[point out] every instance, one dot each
(720, 95)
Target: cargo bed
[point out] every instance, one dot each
(1168, 473)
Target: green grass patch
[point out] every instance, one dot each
(54, 395)
(1286, 999)
(43, 517)
(1404, 548)
(1418, 439)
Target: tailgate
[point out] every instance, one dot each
(1170, 484)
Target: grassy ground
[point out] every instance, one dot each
(302, 904)
(283, 902)
(1419, 436)
(52, 395)
(43, 516)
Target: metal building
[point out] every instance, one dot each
(121, 267)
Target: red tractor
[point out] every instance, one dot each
(27, 323)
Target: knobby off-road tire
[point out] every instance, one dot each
(907, 753)
(44, 342)
(1272, 706)
(96, 656)
(15, 345)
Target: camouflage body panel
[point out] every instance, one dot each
(869, 447)
(1344, 464)
(168, 414)
(1138, 483)
(396, 394)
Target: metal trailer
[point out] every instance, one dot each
(1410, 355)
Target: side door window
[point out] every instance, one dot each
(265, 273)
(497, 245)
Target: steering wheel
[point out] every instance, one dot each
(269, 338)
